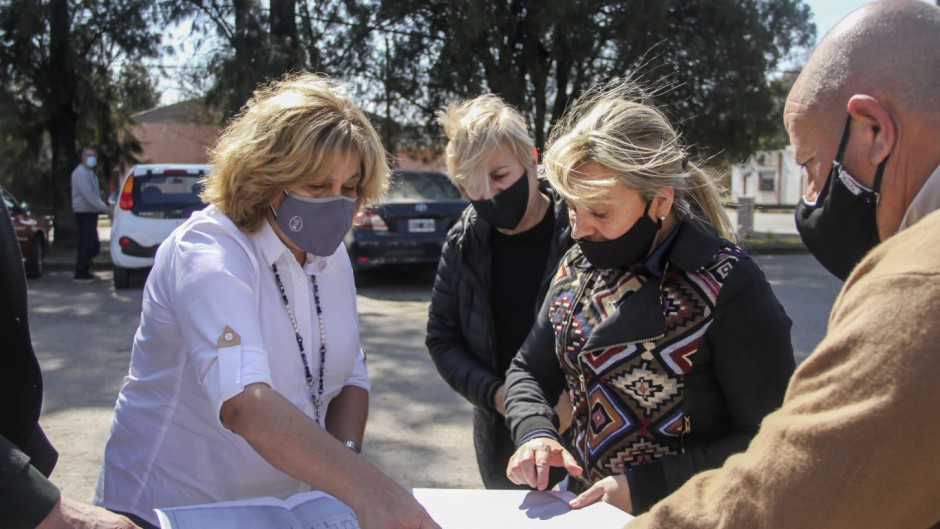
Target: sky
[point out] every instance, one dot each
(826, 13)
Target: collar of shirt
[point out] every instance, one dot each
(273, 248)
(655, 263)
(926, 201)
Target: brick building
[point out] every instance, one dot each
(179, 133)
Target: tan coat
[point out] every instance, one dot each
(856, 444)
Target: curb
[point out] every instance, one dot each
(774, 248)
(60, 258)
(63, 258)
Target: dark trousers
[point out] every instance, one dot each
(88, 244)
(494, 447)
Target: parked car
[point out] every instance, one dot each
(31, 233)
(409, 226)
(153, 201)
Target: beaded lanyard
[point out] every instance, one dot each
(318, 400)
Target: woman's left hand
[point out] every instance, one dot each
(613, 490)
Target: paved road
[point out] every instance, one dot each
(419, 430)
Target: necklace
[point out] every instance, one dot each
(318, 400)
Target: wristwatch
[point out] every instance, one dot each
(352, 445)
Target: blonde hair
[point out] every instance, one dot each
(475, 129)
(617, 127)
(292, 131)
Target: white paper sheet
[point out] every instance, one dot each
(516, 509)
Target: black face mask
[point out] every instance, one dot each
(841, 226)
(506, 209)
(630, 248)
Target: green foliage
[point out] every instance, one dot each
(72, 74)
(60, 88)
(776, 137)
(249, 45)
(708, 60)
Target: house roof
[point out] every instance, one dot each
(191, 111)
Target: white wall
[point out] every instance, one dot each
(781, 175)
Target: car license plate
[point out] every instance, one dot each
(420, 225)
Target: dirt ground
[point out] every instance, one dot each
(418, 430)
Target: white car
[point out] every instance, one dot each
(153, 200)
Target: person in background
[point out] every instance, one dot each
(667, 334)
(855, 442)
(87, 205)
(495, 266)
(28, 499)
(247, 377)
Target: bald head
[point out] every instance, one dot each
(888, 49)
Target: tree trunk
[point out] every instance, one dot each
(539, 73)
(247, 36)
(388, 128)
(284, 42)
(284, 23)
(61, 118)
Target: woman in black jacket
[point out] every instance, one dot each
(495, 266)
(668, 335)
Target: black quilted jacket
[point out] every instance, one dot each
(460, 333)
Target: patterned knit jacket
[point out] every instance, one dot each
(668, 375)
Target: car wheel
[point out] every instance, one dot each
(122, 277)
(35, 259)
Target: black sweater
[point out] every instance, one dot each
(26, 457)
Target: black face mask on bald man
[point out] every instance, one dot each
(840, 227)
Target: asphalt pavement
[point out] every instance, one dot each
(419, 429)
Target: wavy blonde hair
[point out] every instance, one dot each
(475, 129)
(616, 126)
(292, 131)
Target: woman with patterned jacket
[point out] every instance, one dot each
(667, 334)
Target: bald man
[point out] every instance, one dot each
(856, 443)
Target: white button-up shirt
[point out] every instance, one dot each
(167, 446)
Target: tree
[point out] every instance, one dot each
(776, 137)
(249, 45)
(56, 64)
(714, 55)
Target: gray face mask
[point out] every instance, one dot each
(315, 225)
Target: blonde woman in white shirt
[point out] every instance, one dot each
(247, 377)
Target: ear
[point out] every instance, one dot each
(662, 202)
(872, 113)
(535, 157)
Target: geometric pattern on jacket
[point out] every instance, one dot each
(628, 397)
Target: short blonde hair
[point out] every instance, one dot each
(617, 126)
(292, 131)
(475, 129)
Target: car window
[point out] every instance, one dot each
(168, 189)
(414, 185)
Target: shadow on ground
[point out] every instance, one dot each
(396, 284)
(82, 334)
